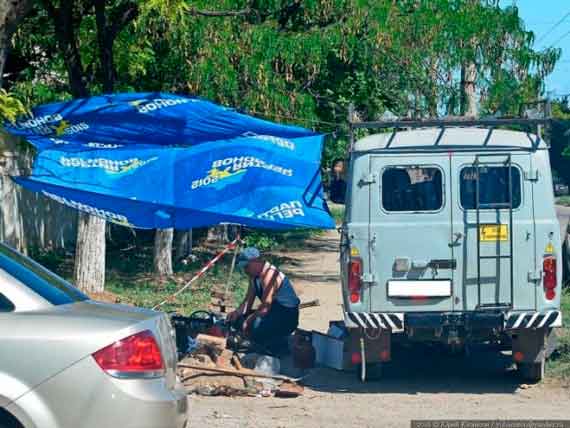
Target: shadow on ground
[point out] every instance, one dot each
(418, 369)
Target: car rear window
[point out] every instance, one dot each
(493, 187)
(412, 188)
(40, 280)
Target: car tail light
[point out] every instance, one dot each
(549, 280)
(355, 279)
(136, 356)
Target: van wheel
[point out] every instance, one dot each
(373, 372)
(532, 372)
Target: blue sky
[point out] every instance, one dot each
(541, 16)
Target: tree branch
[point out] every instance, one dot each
(121, 17)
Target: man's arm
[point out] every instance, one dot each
(249, 298)
(271, 281)
(246, 305)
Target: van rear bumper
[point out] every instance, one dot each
(398, 321)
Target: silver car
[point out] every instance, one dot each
(69, 362)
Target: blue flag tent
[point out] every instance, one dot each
(157, 160)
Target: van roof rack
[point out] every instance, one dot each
(449, 122)
(438, 123)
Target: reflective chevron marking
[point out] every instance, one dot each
(516, 320)
(393, 321)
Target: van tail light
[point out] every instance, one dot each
(355, 279)
(136, 356)
(549, 281)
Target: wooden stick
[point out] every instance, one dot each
(310, 304)
(241, 373)
(237, 362)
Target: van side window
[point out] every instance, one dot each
(493, 187)
(5, 304)
(412, 188)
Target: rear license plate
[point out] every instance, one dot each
(419, 288)
(493, 232)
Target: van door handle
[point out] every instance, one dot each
(373, 242)
(457, 236)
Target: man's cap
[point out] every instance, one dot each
(247, 254)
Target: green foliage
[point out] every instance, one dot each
(558, 134)
(262, 240)
(266, 241)
(304, 62)
(561, 110)
(10, 107)
(563, 200)
(559, 364)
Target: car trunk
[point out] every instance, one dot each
(73, 332)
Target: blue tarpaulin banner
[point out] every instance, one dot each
(158, 160)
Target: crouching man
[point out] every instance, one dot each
(278, 314)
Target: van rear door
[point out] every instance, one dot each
(411, 260)
(487, 277)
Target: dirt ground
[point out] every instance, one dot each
(418, 384)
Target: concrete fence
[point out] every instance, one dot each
(29, 220)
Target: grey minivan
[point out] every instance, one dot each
(451, 236)
(68, 362)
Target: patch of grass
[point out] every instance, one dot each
(563, 200)
(559, 363)
(129, 268)
(129, 278)
(142, 289)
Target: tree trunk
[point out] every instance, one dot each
(183, 244)
(105, 41)
(163, 252)
(469, 96)
(4, 41)
(11, 12)
(89, 268)
(90, 254)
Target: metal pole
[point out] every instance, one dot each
(510, 231)
(350, 127)
(478, 232)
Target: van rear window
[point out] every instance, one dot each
(412, 188)
(493, 187)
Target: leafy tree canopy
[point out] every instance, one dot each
(300, 61)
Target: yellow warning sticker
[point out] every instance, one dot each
(354, 252)
(549, 248)
(493, 232)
